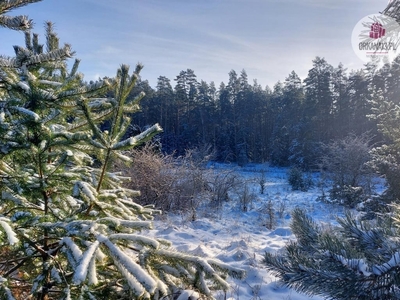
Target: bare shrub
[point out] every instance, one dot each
(345, 163)
(201, 155)
(219, 185)
(281, 208)
(179, 184)
(168, 183)
(191, 183)
(246, 198)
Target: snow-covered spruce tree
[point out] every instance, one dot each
(360, 260)
(386, 111)
(68, 227)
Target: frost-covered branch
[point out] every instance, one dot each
(16, 23)
(139, 139)
(340, 264)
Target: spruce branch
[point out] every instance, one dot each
(51, 37)
(17, 23)
(7, 63)
(121, 91)
(7, 5)
(54, 55)
(138, 139)
(74, 68)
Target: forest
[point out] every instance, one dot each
(286, 125)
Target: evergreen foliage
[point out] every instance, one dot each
(285, 126)
(66, 219)
(386, 160)
(346, 163)
(298, 181)
(358, 260)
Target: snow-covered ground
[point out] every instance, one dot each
(241, 239)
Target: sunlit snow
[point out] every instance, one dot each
(240, 238)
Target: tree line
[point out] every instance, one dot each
(285, 125)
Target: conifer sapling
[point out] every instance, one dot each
(67, 223)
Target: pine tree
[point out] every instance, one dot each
(225, 131)
(288, 97)
(385, 111)
(67, 224)
(316, 125)
(359, 260)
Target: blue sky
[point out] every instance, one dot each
(267, 38)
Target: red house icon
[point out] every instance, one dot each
(377, 31)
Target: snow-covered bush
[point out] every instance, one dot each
(345, 164)
(69, 223)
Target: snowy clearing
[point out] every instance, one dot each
(241, 238)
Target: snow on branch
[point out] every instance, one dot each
(74, 254)
(18, 200)
(139, 278)
(11, 235)
(205, 265)
(138, 139)
(8, 62)
(232, 271)
(96, 144)
(24, 86)
(135, 238)
(132, 281)
(16, 23)
(100, 103)
(146, 212)
(114, 209)
(392, 9)
(394, 262)
(123, 191)
(55, 55)
(50, 82)
(7, 5)
(81, 270)
(27, 112)
(86, 189)
(127, 223)
(358, 265)
(125, 208)
(92, 271)
(85, 89)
